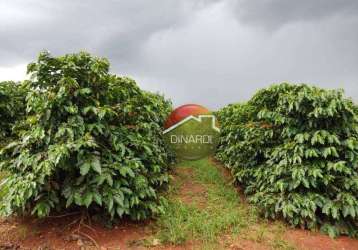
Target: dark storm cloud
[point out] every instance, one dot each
(275, 13)
(112, 28)
(204, 51)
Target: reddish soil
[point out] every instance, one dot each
(248, 245)
(58, 233)
(189, 191)
(66, 233)
(303, 239)
(224, 170)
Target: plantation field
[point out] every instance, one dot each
(84, 156)
(204, 211)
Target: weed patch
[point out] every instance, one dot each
(223, 213)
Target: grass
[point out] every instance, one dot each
(2, 190)
(222, 218)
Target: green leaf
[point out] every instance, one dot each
(85, 168)
(119, 199)
(148, 150)
(78, 199)
(123, 149)
(96, 165)
(126, 171)
(97, 198)
(42, 209)
(120, 211)
(109, 179)
(69, 201)
(87, 199)
(110, 204)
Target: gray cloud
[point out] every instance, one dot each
(207, 52)
(276, 13)
(113, 28)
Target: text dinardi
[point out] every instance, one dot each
(202, 139)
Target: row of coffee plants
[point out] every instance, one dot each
(294, 149)
(84, 139)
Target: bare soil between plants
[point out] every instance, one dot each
(66, 232)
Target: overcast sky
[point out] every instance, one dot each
(193, 51)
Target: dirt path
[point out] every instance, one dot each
(205, 212)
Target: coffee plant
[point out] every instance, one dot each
(294, 149)
(12, 107)
(91, 141)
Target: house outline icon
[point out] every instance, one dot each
(197, 119)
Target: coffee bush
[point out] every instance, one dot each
(12, 107)
(91, 141)
(294, 149)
